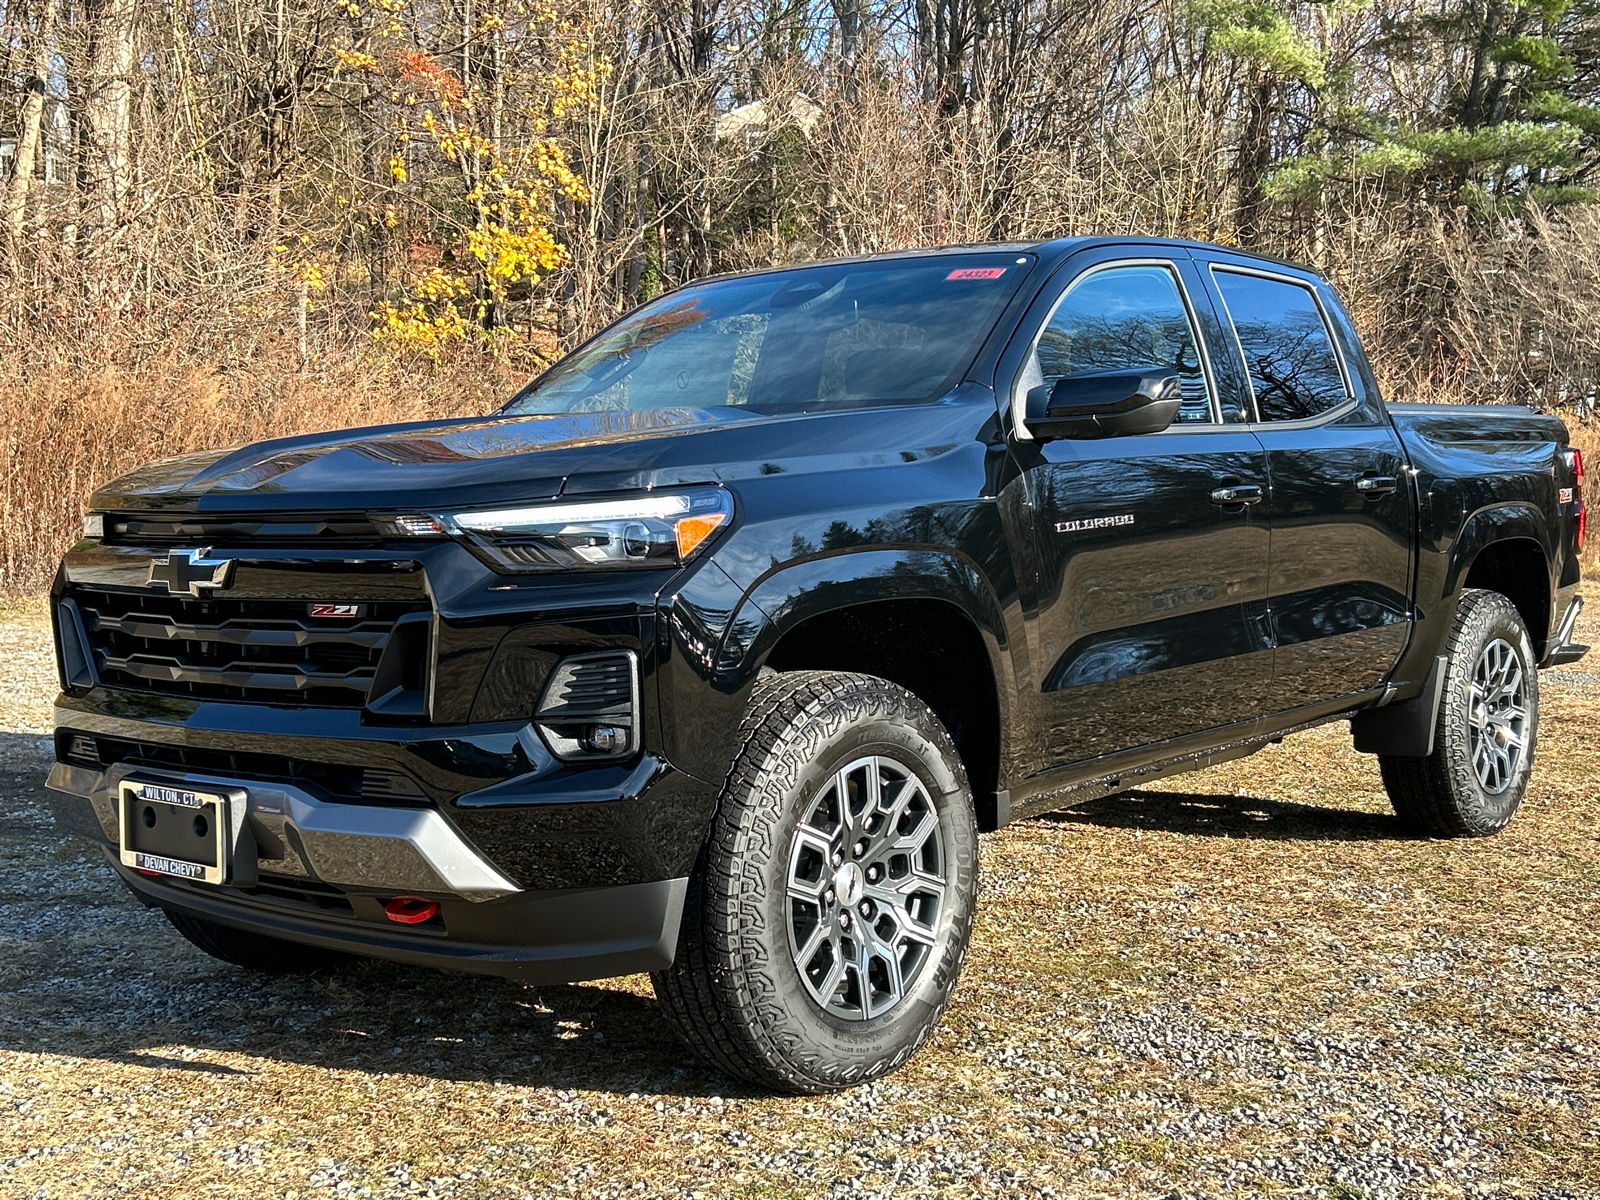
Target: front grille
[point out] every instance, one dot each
(261, 651)
(210, 531)
(335, 781)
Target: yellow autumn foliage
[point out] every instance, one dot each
(498, 231)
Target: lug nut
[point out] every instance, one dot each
(838, 858)
(861, 847)
(873, 872)
(865, 909)
(830, 896)
(844, 920)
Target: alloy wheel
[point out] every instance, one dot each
(1497, 716)
(866, 882)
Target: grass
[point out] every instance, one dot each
(1255, 965)
(68, 428)
(26, 612)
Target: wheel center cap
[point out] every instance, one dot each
(849, 881)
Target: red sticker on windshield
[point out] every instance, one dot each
(976, 273)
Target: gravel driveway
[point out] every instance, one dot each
(1252, 982)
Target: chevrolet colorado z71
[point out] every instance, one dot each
(712, 651)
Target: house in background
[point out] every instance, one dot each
(54, 164)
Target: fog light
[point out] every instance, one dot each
(606, 739)
(590, 706)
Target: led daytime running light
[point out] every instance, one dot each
(647, 508)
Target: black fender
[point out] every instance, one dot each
(718, 638)
(1403, 721)
(1536, 594)
(1502, 522)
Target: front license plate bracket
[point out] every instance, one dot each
(178, 830)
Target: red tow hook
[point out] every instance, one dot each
(409, 910)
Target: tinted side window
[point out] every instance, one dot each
(1123, 317)
(1294, 371)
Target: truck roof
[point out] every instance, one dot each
(1049, 250)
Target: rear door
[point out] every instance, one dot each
(1339, 501)
(1149, 591)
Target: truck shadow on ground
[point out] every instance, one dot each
(1216, 815)
(377, 1020)
(90, 973)
(97, 977)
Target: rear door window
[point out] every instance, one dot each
(1294, 369)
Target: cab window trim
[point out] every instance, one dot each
(1019, 400)
(1344, 408)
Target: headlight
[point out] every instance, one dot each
(658, 529)
(94, 526)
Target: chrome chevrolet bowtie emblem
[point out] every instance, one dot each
(189, 571)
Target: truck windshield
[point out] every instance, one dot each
(842, 335)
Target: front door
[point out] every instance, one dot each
(1340, 500)
(1151, 578)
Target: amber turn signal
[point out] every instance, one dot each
(691, 531)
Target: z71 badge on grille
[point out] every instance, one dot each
(337, 612)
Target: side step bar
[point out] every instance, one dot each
(1562, 648)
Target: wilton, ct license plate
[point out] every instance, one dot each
(173, 830)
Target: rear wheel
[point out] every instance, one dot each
(1473, 782)
(828, 918)
(254, 951)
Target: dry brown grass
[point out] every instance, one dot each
(69, 427)
(1585, 435)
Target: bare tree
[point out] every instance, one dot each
(30, 119)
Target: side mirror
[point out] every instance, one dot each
(1106, 404)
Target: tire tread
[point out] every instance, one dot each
(1435, 793)
(709, 994)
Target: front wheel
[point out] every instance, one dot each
(829, 915)
(1473, 782)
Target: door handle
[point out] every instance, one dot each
(1372, 486)
(1237, 493)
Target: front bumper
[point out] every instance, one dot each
(534, 937)
(293, 835)
(320, 872)
(540, 823)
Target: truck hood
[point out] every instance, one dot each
(480, 460)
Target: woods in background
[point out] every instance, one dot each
(438, 195)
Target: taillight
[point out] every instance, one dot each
(1583, 509)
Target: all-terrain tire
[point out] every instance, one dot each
(735, 991)
(1443, 793)
(254, 951)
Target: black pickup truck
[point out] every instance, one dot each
(711, 653)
